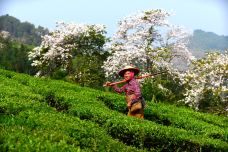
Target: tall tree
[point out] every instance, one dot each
(75, 49)
(14, 55)
(207, 83)
(148, 41)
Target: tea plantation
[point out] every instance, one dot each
(38, 114)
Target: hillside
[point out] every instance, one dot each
(204, 41)
(27, 33)
(40, 114)
(24, 32)
(201, 42)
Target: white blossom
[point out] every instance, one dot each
(141, 39)
(4, 35)
(209, 73)
(56, 48)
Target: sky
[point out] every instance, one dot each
(208, 15)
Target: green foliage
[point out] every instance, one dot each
(87, 71)
(29, 124)
(179, 117)
(152, 92)
(56, 102)
(88, 57)
(162, 88)
(212, 103)
(94, 121)
(13, 56)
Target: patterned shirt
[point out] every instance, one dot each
(132, 87)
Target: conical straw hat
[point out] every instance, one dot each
(131, 68)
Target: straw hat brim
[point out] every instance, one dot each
(135, 70)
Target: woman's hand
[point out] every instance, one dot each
(129, 105)
(108, 84)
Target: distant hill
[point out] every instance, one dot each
(201, 42)
(24, 32)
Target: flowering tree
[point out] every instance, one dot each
(4, 37)
(207, 76)
(60, 47)
(148, 41)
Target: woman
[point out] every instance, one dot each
(134, 100)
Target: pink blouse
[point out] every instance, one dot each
(132, 87)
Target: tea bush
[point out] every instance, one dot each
(40, 114)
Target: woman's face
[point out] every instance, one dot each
(128, 75)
